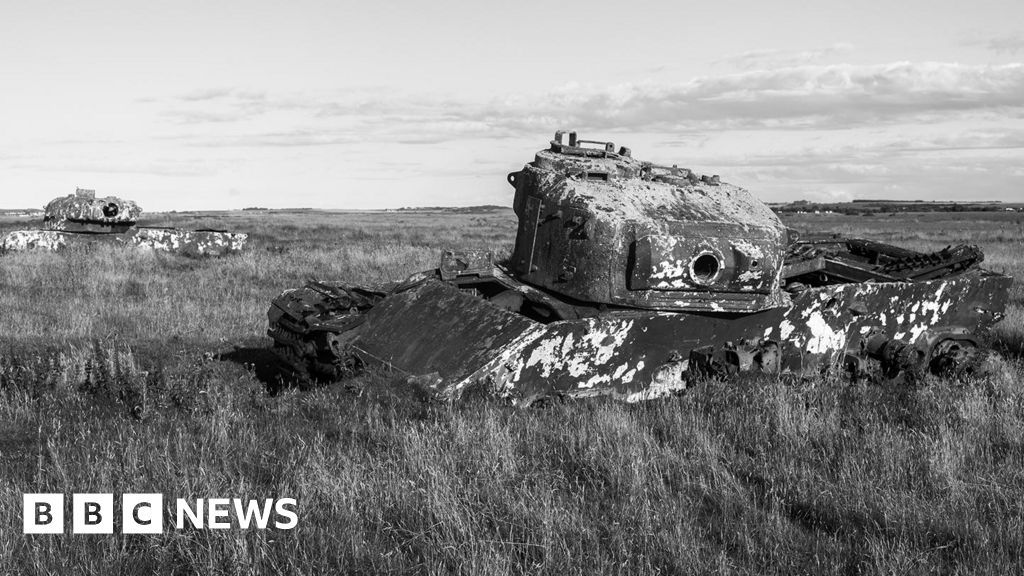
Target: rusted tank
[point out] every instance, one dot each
(82, 218)
(631, 279)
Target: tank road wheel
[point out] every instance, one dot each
(958, 359)
(325, 360)
(335, 358)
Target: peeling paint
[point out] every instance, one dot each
(748, 249)
(749, 276)
(82, 210)
(824, 338)
(188, 242)
(785, 330)
(191, 243)
(20, 240)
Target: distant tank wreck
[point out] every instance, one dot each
(82, 218)
(630, 279)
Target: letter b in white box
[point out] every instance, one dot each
(43, 513)
(142, 513)
(92, 513)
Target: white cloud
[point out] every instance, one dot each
(773, 58)
(931, 129)
(833, 96)
(798, 97)
(1005, 44)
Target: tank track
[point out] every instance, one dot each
(821, 261)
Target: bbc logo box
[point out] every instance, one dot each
(43, 513)
(144, 513)
(93, 513)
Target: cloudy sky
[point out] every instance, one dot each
(343, 104)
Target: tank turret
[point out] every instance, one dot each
(84, 212)
(599, 226)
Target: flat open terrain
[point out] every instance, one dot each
(125, 371)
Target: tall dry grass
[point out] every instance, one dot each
(109, 382)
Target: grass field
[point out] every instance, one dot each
(125, 371)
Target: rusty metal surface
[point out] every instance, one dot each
(21, 240)
(185, 242)
(188, 242)
(456, 341)
(631, 280)
(84, 212)
(835, 259)
(455, 263)
(601, 226)
(83, 219)
(437, 331)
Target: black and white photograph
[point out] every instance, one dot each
(501, 288)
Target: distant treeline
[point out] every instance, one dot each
(454, 209)
(19, 211)
(449, 209)
(868, 207)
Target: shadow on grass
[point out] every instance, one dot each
(404, 398)
(265, 365)
(19, 447)
(854, 521)
(1009, 344)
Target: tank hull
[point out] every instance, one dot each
(187, 242)
(452, 341)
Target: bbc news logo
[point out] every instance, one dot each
(144, 513)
